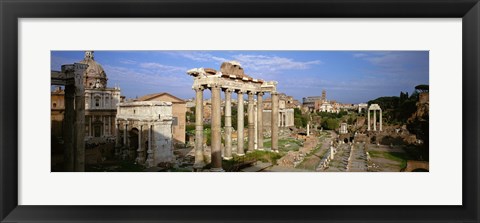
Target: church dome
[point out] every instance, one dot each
(94, 76)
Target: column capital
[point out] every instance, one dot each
(198, 88)
(251, 92)
(273, 93)
(228, 90)
(260, 93)
(241, 92)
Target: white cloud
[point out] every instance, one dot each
(160, 78)
(259, 66)
(163, 68)
(197, 56)
(127, 61)
(264, 63)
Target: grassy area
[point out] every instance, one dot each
(180, 169)
(264, 156)
(395, 156)
(285, 145)
(239, 162)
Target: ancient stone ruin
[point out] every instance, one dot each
(374, 108)
(144, 132)
(231, 79)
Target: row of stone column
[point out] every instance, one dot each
(255, 130)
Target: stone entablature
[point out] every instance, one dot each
(145, 111)
(362, 107)
(233, 84)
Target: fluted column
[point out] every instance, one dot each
(374, 120)
(251, 124)
(228, 125)
(260, 120)
(68, 154)
(274, 121)
(199, 158)
(240, 115)
(216, 128)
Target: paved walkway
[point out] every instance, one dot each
(358, 159)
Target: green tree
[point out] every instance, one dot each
(350, 120)
(330, 124)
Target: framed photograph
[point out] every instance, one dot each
(226, 111)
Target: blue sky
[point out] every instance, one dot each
(347, 76)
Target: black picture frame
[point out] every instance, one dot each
(11, 11)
